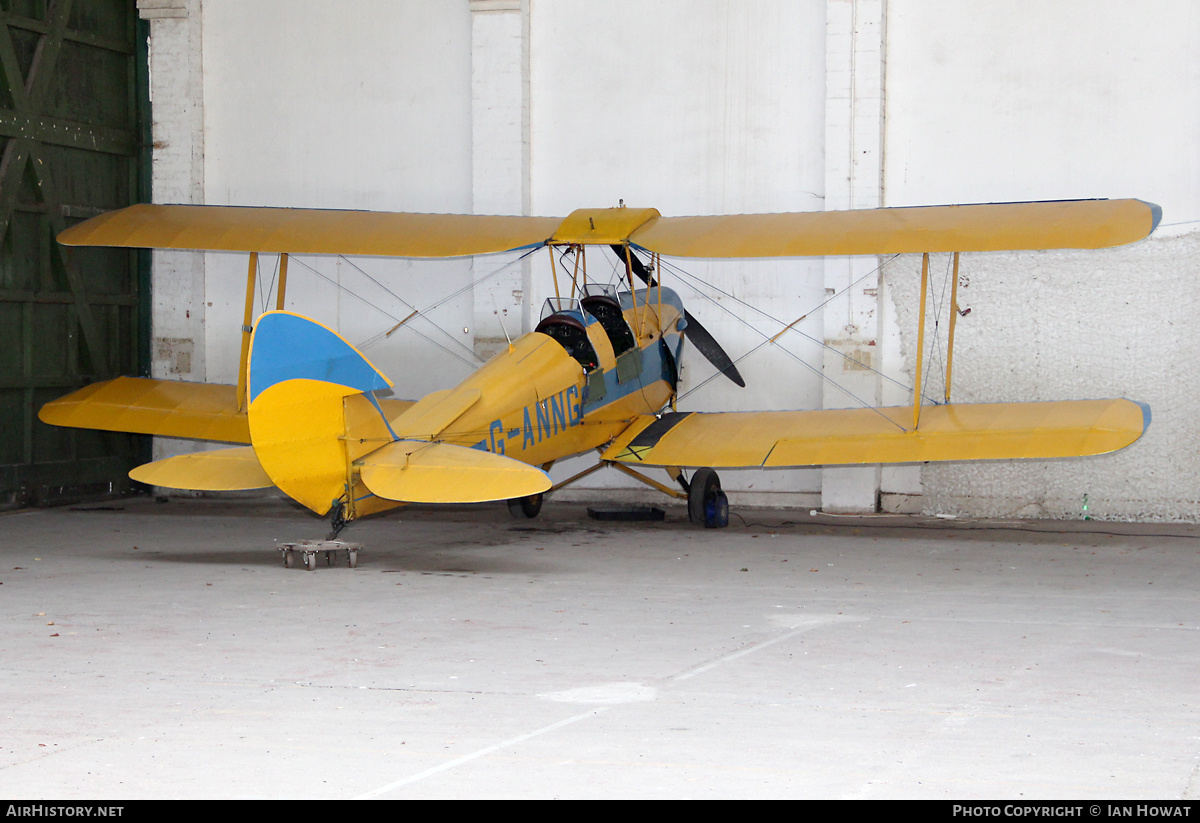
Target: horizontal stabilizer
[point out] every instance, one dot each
(223, 470)
(417, 471)
(140, 405)
(831, 437)
(432, 414)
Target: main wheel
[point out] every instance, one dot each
(525, 506)
(707, 504)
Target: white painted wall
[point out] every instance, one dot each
(717, 106)
(1025, 100)
(178, 309)
(500, 146)
(855, 40)
(706, 107)
(993, 101)
(362, 105)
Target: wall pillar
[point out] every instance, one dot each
(853, 180)
(177, 176)
(500, 160)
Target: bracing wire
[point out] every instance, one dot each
(683, 274)
(689, 276)
(418, 332)
(371, 341)
(767, 340)
(878, 269)
(265, 299)
(470, 286)
(935, 348)
(940, 303)
(417, 313)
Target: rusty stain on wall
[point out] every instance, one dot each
(175, 353)
(857, 360)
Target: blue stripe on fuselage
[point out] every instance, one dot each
(654, 368)
(652, 359)
(567, 408)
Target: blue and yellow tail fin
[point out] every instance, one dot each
(298, 378)
(289, 346)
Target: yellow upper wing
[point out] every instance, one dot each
(309, 231)
(982, 431)
(1083, 224)
(1068, 224)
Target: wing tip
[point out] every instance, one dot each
(1155, 215)
(1146, 415)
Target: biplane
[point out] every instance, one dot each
(311, 416)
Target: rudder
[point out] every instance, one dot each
(299, 374)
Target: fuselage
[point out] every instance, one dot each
(569, 387)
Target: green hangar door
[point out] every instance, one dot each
(72, 85)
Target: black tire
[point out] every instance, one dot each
(527, 507)
(707, 504)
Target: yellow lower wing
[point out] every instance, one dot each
(983, 431)
(416, 471)
(169, 408)
(235, 469)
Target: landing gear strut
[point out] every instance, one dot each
(707, 504)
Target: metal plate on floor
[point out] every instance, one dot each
(625, 513)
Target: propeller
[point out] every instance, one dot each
(700, 337)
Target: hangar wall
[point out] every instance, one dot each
(1004, 101)
(704, 109)
(708, 107)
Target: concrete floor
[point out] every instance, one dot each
(163, 651)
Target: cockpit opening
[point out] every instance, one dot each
(607, 311)
(571, 334)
